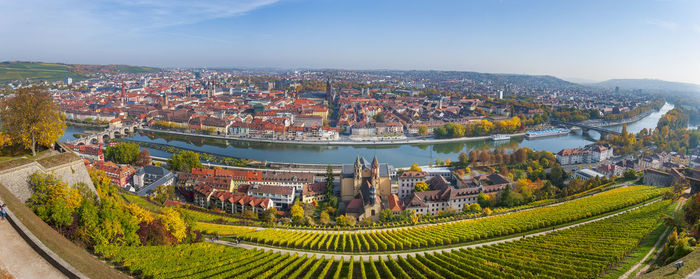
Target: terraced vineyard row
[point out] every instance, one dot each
(580, 252)
(457, 232)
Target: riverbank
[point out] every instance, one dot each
(81, 124)
(331, 143)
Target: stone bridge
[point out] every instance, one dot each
(585, 128)
(109, 133)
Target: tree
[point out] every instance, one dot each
(163, 193)
(475, 207)
(31, 118)
(184, 161)
(448, 162)
(143, 159)
(341, 221)
(421, 187)
(487, 211)
(485, 157)
(422, 130)
(330, 182)
(122, 153)
(351, 221)
(557, 176)
(386, 215)
(415, 167)
(269, 215)
(629, 174)
(297, 213)
(172, 221)
(439, 162)
(325, 218)
(463, 158)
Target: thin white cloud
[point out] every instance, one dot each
(665, 24)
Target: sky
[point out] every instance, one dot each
(582, 40)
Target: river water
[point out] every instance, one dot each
(397, 155)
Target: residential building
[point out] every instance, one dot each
(148, 178)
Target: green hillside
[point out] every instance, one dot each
(10, 71)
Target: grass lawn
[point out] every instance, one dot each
(691, 263)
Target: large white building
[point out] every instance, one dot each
(585, 155)
(444, 196)
(408, 181)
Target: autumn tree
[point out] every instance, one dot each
(415, 167)
(325, 218)
(297, 213)
(31, 119)
(421, 187)
(143, 159)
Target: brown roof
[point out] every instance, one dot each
(270, 189)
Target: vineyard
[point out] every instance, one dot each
(457, 232)
(580, 252)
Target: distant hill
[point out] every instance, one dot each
(10, 71)
(650, 85)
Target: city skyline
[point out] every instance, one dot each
(592, 41)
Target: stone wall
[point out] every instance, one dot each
(72, 172)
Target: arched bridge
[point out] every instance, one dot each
(109, 133)
(603, 132)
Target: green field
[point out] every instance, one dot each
(10, 71)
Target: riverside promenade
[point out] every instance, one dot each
(332, 142)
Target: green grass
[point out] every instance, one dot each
(76, 256)
(691, 263)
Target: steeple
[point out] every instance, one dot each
(375, 162)
(357, 161)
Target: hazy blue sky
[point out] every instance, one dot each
(593, 40)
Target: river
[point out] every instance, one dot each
(397, 155)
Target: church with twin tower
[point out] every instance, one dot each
(364, 187)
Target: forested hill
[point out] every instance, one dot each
(10, 71)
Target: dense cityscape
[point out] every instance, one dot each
(145, 158)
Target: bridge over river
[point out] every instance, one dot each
(109, 133)
(603, 131)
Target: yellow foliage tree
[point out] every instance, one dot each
(172, 221)
(31, 118)
(142, 215)
(415, 167)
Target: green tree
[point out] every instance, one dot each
(31, 118)
(421, 187)
(122, 153)
(184, 161)
(475, 207)
(629, 174)
(557, 176)
(386, 215)
(269, 215)
(422, 130)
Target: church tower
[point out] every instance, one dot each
(375, 172)
(357, 181)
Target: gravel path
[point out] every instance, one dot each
(365, 257)
(19, 259)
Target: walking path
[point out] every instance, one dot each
(659, 243)
(19, 259)
(365, 257)
(332, 142)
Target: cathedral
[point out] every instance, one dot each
(364, 187)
